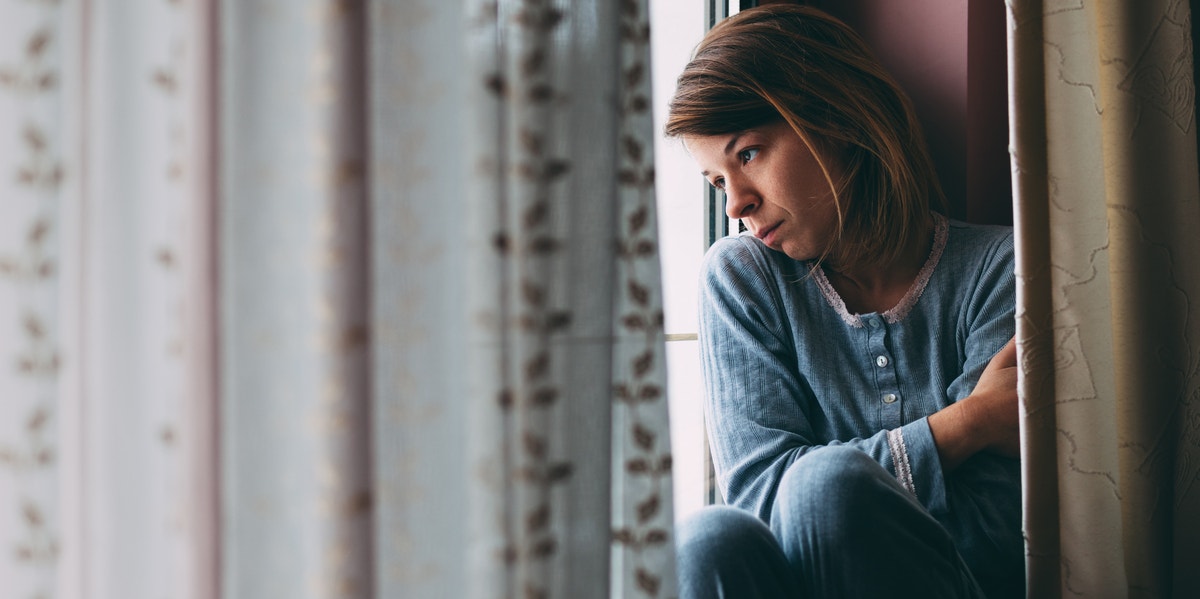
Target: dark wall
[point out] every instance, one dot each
(950, 56)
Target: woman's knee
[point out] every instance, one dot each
(829, 472)
(715, 533)
(827, 487)
(722, 551)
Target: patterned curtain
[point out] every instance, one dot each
(330, 299)
(1105, 172)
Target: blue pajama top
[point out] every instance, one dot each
(787, 369)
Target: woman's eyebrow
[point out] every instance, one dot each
(728, 147)
(733, 142)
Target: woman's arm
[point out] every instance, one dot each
(762, 416)
(984, 420)
(982, 412)
(760, 412)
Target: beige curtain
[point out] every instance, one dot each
(1108, 223)
(330, 299)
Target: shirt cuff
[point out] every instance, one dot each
(917, 466)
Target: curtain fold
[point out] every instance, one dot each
(105, 438)
(1107, 205)
(34, 42)
(569, 421)
(294, 326)
(420, 286)
(542, 319)
(345, 298)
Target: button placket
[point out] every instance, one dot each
(886, 380)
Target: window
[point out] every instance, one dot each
(690, 218)
(677, 28)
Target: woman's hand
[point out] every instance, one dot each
(995, 397)
(987, 419)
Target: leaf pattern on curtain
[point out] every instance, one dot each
(405, 249)
(1107, 183)
(32, 173)
(642, 514)
(573, 322)
(109, 95)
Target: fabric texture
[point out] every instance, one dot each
(787, 372)
(1103, 128)
(333, 299)
(836, 506)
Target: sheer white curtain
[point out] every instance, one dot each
(1105, 172)
(330, 299)
(106, 454)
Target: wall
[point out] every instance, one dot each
(950, 56)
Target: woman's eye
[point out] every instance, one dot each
(719, 183)
(748, 154)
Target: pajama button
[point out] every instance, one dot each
(881, 361)
(889, 398)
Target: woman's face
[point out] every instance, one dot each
(772, 183)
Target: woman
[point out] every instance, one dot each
(861, 382)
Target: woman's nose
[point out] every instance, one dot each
(740, 200)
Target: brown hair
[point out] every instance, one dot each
(800, 65)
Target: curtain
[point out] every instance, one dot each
(330, 299)
(106, 417)
(1107, 209)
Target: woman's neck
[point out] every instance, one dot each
(880, 287)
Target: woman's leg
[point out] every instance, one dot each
(728, 553)
(849, 529)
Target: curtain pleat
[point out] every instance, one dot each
(200, 265)
(643, 553)
(1105, 169)
(420, 289)
(105, 434)
(567, 316)
(130, 347)
(1027, 122)
(34, 43)
(330, 299)
(295, 331)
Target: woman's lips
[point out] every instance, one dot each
(766, 234)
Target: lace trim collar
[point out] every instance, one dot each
(941, 231)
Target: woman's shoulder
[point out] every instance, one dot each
(976, 233)
(740, 255)
(974, 243)
(742, 265)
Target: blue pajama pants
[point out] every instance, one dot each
(841, 526)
